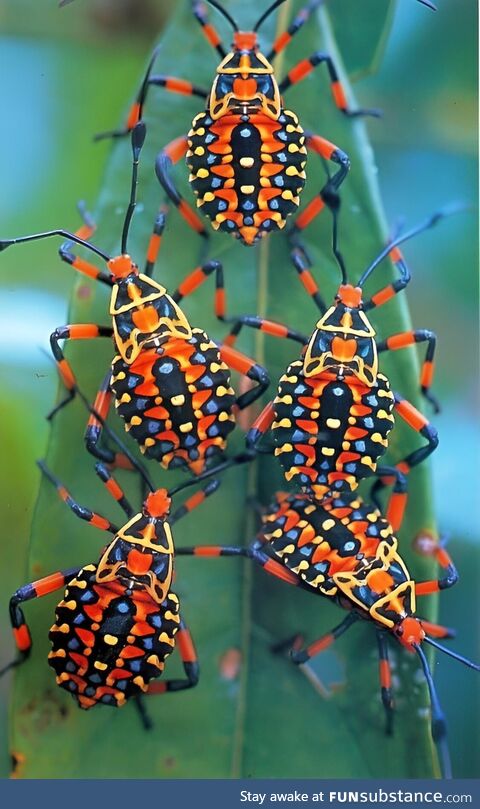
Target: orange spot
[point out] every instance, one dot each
(131, 651)
(146, 319)
(121, 266)
(244, 88)
(248, 234)
(87, 637)
(412, 634)
(244, 40)
(349, 295)
(344, 350)
(158, 503)
(139, 563)
(379, 581)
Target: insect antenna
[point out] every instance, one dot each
(267, 13)
(439, 725)
(224, 13)
(138, 139)
(455, 655)
(426, 225)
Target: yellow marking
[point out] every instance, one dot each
(247, 189)
(164, 638)
(125, 398)
(346, 445)
(352, 420)
(287, 399)
(185, 428)
(367, 461)
(149, 442)
(293, 147)
(328, 524)
(82, 584)
(291, 128)
(200, 131)
(333, 423)
(158, 400)
(135, 420)
(377, 438)
(199, 150)
(247, 162)
(202, 173)
(154, 660)
(111, 640)
(223, 416)
(310, 509)
(95, 627)
(283, 423)
(100, 666)
(62, 677)
(178, 400)
(328, 451)
(70, 605)
(288, 195)
(64, 628)
(209, 197)
(59, 653)
(222, 391)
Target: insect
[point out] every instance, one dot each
(344, 550)
(334, 409)
(171, 383)
(246, 152)
(119, 619)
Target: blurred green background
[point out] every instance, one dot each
(61, 81)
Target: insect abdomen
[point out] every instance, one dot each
(107, 646)
(176, 401)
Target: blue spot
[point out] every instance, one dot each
(153, 426)
(89, 691)
(292, 534)
(282, 157)
(279, 181)
(267, 224)
(207, 381)
(70, 667)
(298, 411)
(360, 446)
(79, 619)
(140, 404)
(298, 459)
(245, 132)
(248, 205)
(147, 643)
(273, 204)
(213, 431)
(198, 357)
(121, 685)
(216, 182)
(165, 367)
(87, 596)
(72, 686)
(135, 665)
(301, 388)
(208, 138)
(190, 441)
(368, 422)
(211, 159)
(95, 678)
(222, 205)
(349, 546)
(108, 699)
(372, 400)
(338, 392)
(73, 644)
(282, 135)
(247, 220)
(122, 606)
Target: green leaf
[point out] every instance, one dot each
(268, 721)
